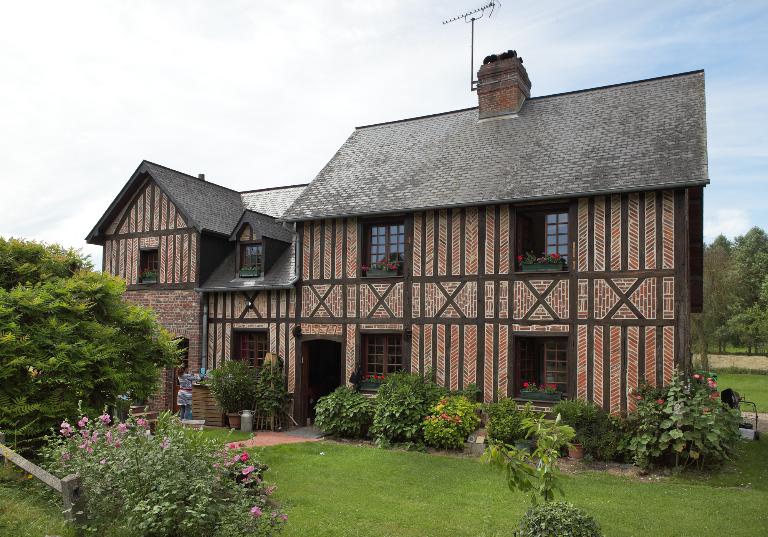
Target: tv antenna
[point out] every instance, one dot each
(470, 17)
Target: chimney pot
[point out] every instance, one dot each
(201, 176)
(502, 85)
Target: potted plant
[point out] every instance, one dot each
(148, 276)
(233, 387)
(530, 262)
(371, 382)
(384, 267)
(252, 271)
(542, 392)
(576, 450)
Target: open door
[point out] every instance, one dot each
(322, 373)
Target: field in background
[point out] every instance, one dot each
(719, 361)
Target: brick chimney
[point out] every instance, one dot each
(502, 85)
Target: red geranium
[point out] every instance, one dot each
(660, 401)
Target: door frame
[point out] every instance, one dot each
(301, 404)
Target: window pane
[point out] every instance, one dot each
(551, 218)
(562, 228)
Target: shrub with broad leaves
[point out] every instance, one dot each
(344, 413)
(506, 422)
(596, 430)
(175, 482)
(557, 519)
(450, 422)
(682, 424)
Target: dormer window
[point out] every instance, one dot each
(251, 260)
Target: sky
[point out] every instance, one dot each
(259, 94)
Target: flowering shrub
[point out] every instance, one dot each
(557, 518)
(344, 412)
(531, 259)
(176, 482)
(682, 424)
(506, 421)
(451, 420)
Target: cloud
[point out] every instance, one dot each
(728, 222)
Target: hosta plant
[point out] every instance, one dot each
(345, 412)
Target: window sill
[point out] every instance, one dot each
(152, 282)
(518, 272)
(553, 402)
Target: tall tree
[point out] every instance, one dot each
(750, 259)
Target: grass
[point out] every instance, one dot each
(25, 511)
(226, 435)
(333, 489)
(752, 387)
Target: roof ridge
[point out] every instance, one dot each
(205, 181)
(538, 97)
(273, 188)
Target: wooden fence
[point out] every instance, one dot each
(69, 487)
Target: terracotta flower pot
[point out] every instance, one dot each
(234, 420)
(576, 451)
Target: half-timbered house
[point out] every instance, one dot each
(403, 253)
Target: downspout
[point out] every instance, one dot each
(204, 337)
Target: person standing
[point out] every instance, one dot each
(184, 395)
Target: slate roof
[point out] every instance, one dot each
(281, 275)
(635, 136)
(263, 225)
(271, 201)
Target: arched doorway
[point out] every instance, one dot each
(322, 372)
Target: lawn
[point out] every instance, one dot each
(331, 489)
(24, 511)
(752, 387)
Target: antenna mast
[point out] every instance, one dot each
(471, 17)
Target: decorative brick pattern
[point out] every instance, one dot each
(321, 329)
(582, 306)
(650, 355)
(489, 300)
(394, 300)
(605, 298)
(504, 236)
(581, 361)
(338, 269)
(428, 332)
(503, 360)
(633, 231)
(305, 250)
(374, 297)
(316, 251)
(523, 300)
(650, 230)
(442, 242)
(352, 248)
(597, 366)
(633, 341)
(503, 300)
(416, 301)
(560, 328)
(350, 343)
(309, 301)
(149, 242)
(384, 327)
(429, 253)
(616, 230)
(490, 239)
(488, 364)
(456, 242)
(273, 337)
(540, 314)
(454, 361)
(668, 352)
(599, 234)
(467, 300)
(415, 348)
(351, 301)
(434, 299)
(291, 368)
(582, 245)
(669, 297)
(668, 229)
(417, 231)
(615, 373)
(470, 354)
(471, 241)
(644, 298)
(557, 299)
(441, 355)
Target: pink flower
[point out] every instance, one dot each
(639, 397)
(166, 443)
(117, 443)
(248, 469)
(66, 428)
(108, 437)
(95, 436)
(232, 446)
(255, 511)
(103, 461)
(66, 456)
(244, 457)
(284, 517)
(82, 422)
(141, 422)
(105, 419)
(269, 490)
(697, 376)
(660, 401)
(122, 427)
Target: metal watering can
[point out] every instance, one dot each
(246, 421)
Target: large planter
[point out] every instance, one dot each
(368, 385)
(152, 279)
(541, 396)
(542, 267)
(250, 273)
(576, 451)
(380, 273)
(234, 420)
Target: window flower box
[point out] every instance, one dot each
(545, 392)
(382, 269)
(371, 382)
(250, 272)
(148, 276)
(543, 263)
(379, 273)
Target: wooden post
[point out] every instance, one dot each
(74, 500)
(2, 449)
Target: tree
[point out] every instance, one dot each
(750, 326)
(66, 335)
(750, 258)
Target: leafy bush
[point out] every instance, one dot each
(681, 424)
(233, 385)
(68, 336)
(470, 391)
(402, 403)
(450, 423)
(177, 482)
(270, 394)
(344, 413)
(506, 422)
(554, 519)
(595, 429)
